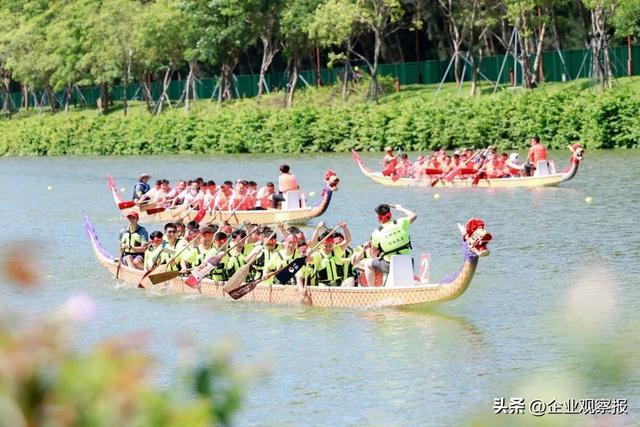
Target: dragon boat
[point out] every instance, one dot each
(262, 217)
(546, 178)
(474, 245)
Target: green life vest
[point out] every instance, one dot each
(394, 239)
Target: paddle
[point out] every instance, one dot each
(126, 205)
(239, 276)
(201, 213)
(155, 278)
(198, 273)
(155, 211)
(119, 263)
(452, 174)
(290, 270)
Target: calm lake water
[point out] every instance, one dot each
(562, 279)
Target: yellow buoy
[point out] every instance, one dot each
(588, 199)
(436, 196)
(50, 187)
(311, 194)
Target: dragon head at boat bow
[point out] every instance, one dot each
(331, 180)
(475, 237)
(577, 152)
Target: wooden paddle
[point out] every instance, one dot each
(291, 269)
(155, 278)
(239, 276)
(198, 273)
(452, 174)
(119, 262)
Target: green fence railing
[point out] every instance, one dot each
(557, 66)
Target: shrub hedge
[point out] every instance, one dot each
(507, 120)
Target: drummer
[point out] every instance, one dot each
(391, 238)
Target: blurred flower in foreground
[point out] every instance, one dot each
(46, 381)
(19, 265)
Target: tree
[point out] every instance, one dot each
(295, 21)
(626, 19)
(265, 23)
(602, 12)
(336, 24)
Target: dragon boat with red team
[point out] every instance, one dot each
(401, 287)
(545, 176)
(294, 212)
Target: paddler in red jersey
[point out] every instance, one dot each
(537, 153)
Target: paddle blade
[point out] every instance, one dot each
(287, 273)
(201, 213)
(147, 206)
(238, 278)
(163, 277)
(126, 205)
(155, 211)
(242, 290)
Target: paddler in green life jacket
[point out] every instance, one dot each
(271, 246)
(329, 267)
(173, 244)
(152, 254)
(282, 257)
(390, 238)
(239, 252)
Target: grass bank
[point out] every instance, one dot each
(412, 119)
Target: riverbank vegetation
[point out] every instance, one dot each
(412, 119)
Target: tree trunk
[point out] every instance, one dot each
(51, 98)
(25, 97)
(601, 62)
(165, 86)
(537, 69)
(188, 85)
(226, 82)
(269, 52)
(68, 92)
(6, 86)
(375, 87)
(125, 82)
(345, 77)
(293, 80)
(103, 105)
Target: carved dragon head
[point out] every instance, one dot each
(577, 152)
(475, 237)
(331, 180)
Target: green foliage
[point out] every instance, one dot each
(420, 122)
(626, 19)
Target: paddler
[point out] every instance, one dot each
(174, 243)
(390, 238)
(142, 187)
(133, 242)
(329, 267)
(151, 255)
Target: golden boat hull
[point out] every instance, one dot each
(459, 182)
(358, 297)
(262, 217)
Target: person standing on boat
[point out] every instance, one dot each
(142, 187)
(537, 153)
(133, 243)
(390, 238)
(287, 182)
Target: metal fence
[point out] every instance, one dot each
(557, 66)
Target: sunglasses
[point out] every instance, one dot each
(171, 231)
